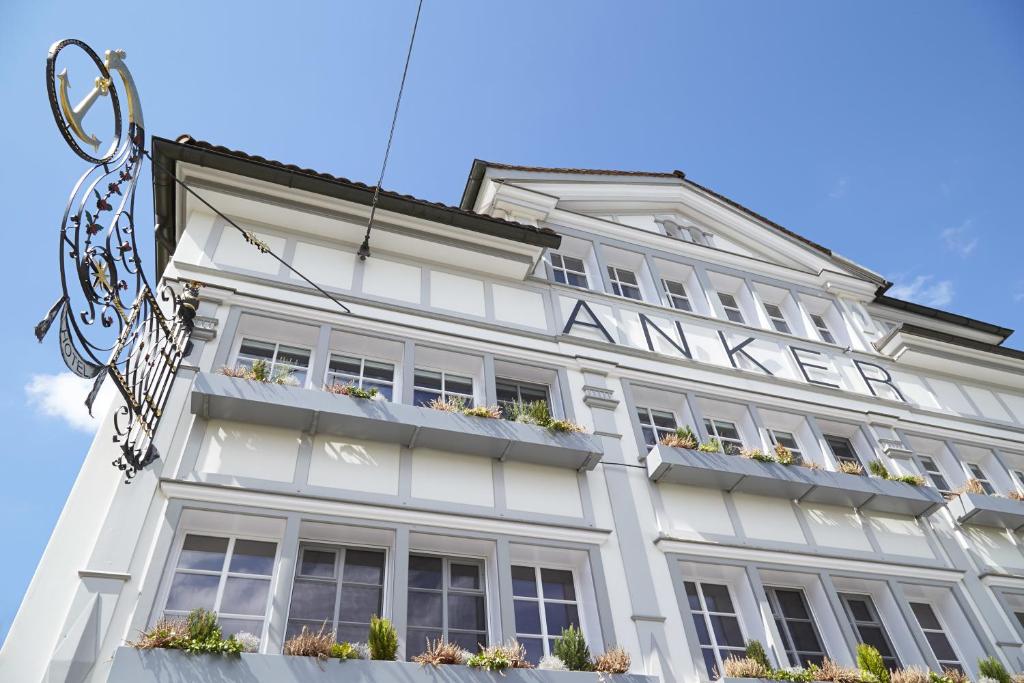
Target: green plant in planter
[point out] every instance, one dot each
(198, 633)
(912, 479)
(755, 651)
(383, 639)
(528, 412)
(878, 468)
(510, 655)
(682, 438)
(712, 445)
(493, 412)
(351, 390)
(869, 660)
(783, 455)
(572, 649)
(994, 669)
(345, 651)
(757, 454)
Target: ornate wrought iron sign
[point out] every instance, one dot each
(111, 321)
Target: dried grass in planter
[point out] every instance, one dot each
(493, 412)
(972, 485)
(614, 661)
(847, 467)
(441, 652)
(834, 673)
(911, 674)
(166, 634)
(455, 404)
(743, 667)
(311, 644)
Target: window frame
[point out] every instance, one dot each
(829, 438)
(821, 326)
(876, 622)
(541, 601)
(779, 321)
(341, 550)
(720, 652)
(713, 433)
(443, 391)
(565, 270)
(446, 589)
(781, 624)
(671, 297)
(734, 306)
(943, 630)
(362, 372)
(619, 286)
(797, 450)
(273, 361)
(649, 414)
(923, 459)
(975, 472)
(519, 384)
(223, 574)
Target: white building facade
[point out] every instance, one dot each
(633, 304)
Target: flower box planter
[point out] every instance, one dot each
(174, 666)
(979, 509)
(753, 680)
(216, 396)
(736, 473)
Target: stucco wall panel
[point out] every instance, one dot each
(900, 535)
(325, 266)
(234, 252)
(519, 306)
(694, 510)
(246, 450)
(537, 488)
(457, 293)
(355, 465)
(769, 519)
(836, 527)
(392, 280)
(437, 475)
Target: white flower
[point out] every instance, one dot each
(552, 663)
(250, 642)
(362, 648)
(986, 679)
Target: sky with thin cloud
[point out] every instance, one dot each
(889, 132)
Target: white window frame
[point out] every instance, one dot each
(849, 442)
(541, 601)
(776, 607)
(619, 285)
(713, 433)
(674, 298)
(357, 381)
(706, 615)
(932, 473)
(274, 365)
(224, 574)
(797, 451)
(561, 266)
(821, 325)
(876, 622)
(445, 394)
(445, 591)
(659, 432)
(734, 306)
(974, 471)
(779, 322)
(944, 630)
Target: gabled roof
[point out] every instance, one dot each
(189, 150)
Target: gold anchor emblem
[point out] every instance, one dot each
(75, 116)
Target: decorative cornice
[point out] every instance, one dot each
(895, 449)
(204, 328)
(599, 397)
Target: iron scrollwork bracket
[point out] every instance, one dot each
(112, 322)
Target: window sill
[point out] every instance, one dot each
(736, 473)
(173, 666)
(219, 397)
(978, 509)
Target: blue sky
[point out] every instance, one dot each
(890, 132)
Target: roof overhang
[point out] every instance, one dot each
(168, 154)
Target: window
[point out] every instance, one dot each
(788, 441)
(676, 294)
(1018, 477)
(936, 636)
(718, 629)
(446, 600)
(865, 621)
(654, 424)
(282, 360)
(842, 449)
(568, 270)
(545, 603)
(339, 587)
(732, 309)
(931, 468)
(979, 474)
(361, 372)
(511, 391)
(822, 327)
(431, 384)
(725, 432)
(796, 626)
(227, 575)
(777, 318)
(624, 283)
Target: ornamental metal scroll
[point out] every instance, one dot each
(112, 323)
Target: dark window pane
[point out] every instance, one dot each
(557, 584)
(727, 430)
(385, 390)
(560, 276)
(703, 635)
(230, 627)
(663, 419)
(468, 641)
(925, 615)
(709, 663)
(506, 393)
(560, 617)
(190, 591)
(345, 364)
(421, 397)
(792, 604)
(203, 552)
(466, 612)
(359, 603)
(577, 280)
(458, 384)
(527, 616)
(253, 557)
(352, 633)
(364, 566)
(940, 645)
(873, 635)
(524, 582)
(425, 609)
(573, 263)
(727, 630)
(313, 600)
(317, 563)
(424, 572)
(245, 596)
(859, 609)
(417, 640)
(534, 648)
(692, 596)
(290, 355)
(256, 349)
(804, 637)
(428, 379)
(531, 394)
(465, 576)
(374, 370)
(716, 597)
